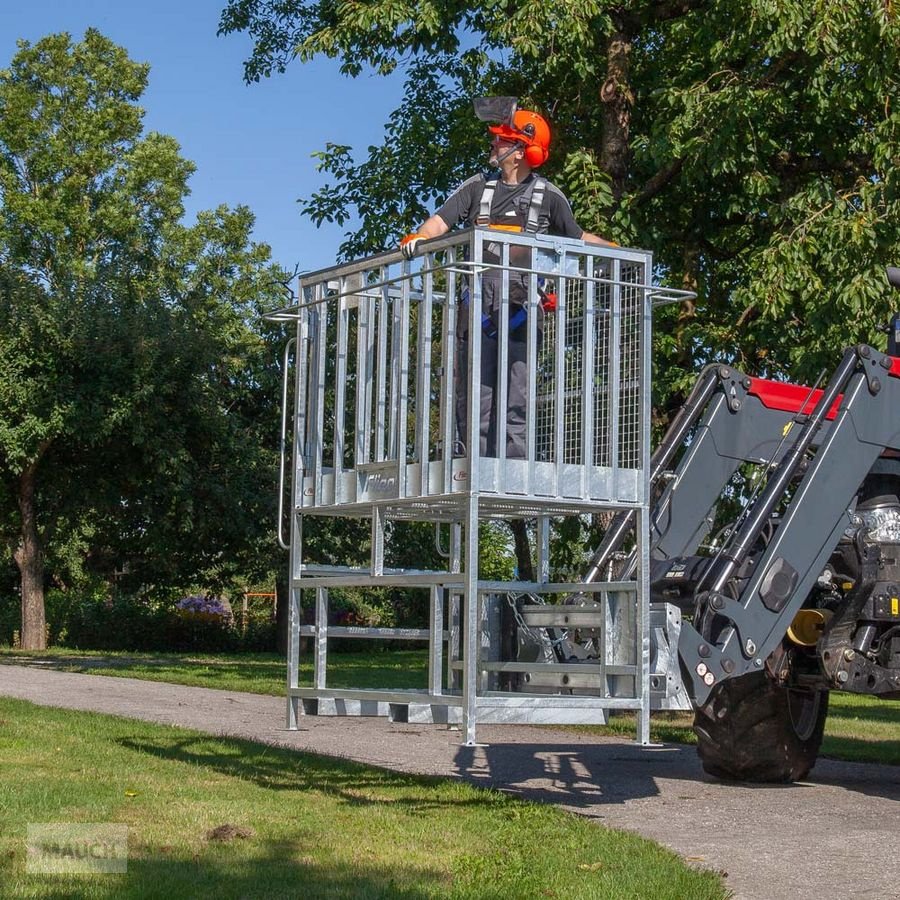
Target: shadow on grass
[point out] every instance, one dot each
(289, 770)
(271, 869)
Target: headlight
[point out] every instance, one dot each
(882, 523)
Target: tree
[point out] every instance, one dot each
(128, 368)
(753, 145)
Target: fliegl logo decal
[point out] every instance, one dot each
(379, 481)
(461, 475)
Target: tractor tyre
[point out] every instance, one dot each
(750, 729)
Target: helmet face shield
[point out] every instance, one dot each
(497, 110)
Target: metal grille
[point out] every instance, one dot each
(602, 321)
(630, 385)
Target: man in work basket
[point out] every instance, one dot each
(513, 198)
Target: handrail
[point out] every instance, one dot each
(658, 294)
(281, 446)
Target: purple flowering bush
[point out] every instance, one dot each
(204, 608)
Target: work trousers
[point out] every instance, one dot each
(516, 370)
(517, 396)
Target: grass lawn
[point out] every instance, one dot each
(301, 825)
(858, 728)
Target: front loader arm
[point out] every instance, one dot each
(728, 419)
(760, 606)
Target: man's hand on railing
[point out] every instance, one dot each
(410, 242)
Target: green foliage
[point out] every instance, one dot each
(753, 146)
(136, 384)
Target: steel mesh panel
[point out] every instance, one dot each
(573, 414)
(602, 413)
(630, 431)
(545, 395)
(379, 383)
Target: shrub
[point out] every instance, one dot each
(92, 621)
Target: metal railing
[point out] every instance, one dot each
(382, 345)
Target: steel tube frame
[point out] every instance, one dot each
(431, 481)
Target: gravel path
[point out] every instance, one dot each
(835, 836)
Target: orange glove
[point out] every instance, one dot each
(410, 242)
(548, 301)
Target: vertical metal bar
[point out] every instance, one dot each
(371, 373)
(542, 542)
(396, 367)
(295, 555)
(340, 390)
(381, 376)
(587, 383)
(363, 381)
(449, 339)
(321, 319)
(377, 551)
(559, 379)
(470, 554)
(401, 366)
(615, 372)
(643, 513)
(500, 387)
(455, 648)
(302, 396)
(471, 642)
(282, 442)
(436, 642)
(321, 659)
(646, 336)
(293, 666)
(423, 378)
(473, 387)
(642, 632)
(532, 361)
(455, 643)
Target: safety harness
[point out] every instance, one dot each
(536, 200)
(532, 221)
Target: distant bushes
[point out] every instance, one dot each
(85, 622)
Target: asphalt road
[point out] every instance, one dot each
(835, 836)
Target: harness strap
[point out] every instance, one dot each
(487, 200)
(535, 201)
(534, 207)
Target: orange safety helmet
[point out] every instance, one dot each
(530, 129)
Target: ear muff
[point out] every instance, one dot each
(535, 156)
(537, 147)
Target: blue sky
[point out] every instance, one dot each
(251, 143)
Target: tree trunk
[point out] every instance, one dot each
(523, 549)
(29, 557)
(617, 99)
